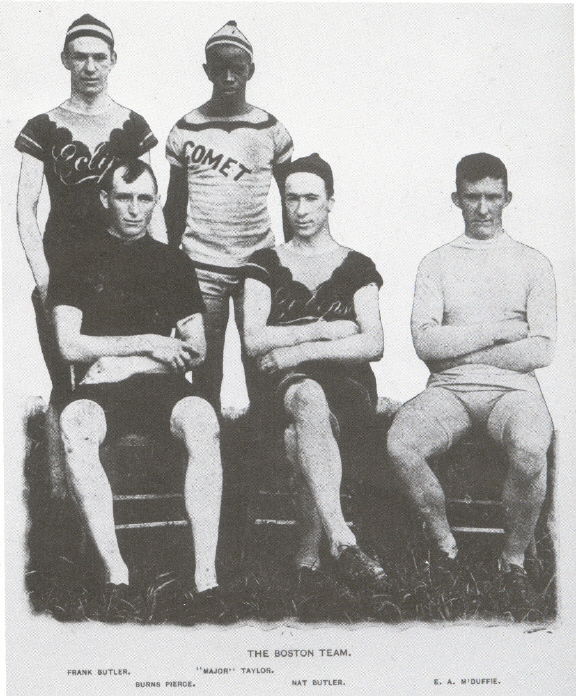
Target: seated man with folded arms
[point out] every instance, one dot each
(312, 320)
(70, 147)
(484, 318)
(115, 309)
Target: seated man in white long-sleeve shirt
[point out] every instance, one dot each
(484, 318)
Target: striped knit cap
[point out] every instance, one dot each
(232, 36)
(89, 26)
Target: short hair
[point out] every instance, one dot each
(134, 168)
(479, 166)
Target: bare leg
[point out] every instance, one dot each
(216, 296)
(318, 457)
(194, 421)
(251, 372)
(55, 452)
(414, 437)
(83, 426)
(526, 436)
(308, 553)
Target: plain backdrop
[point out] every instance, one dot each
(392, 95)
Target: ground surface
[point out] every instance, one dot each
(255, 564)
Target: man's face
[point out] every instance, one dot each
(129, 206)
(482, 203)
(89, 60)
(228, 68)
(307, 203)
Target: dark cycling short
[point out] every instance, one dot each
(141, 404)
(352, 400)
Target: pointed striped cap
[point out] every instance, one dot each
(232, 36)
(89, 26)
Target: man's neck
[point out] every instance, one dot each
(320, 243)
(126, 240)
(218, 106)
(496, 233)
(88, 104)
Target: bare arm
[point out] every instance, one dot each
(522, 356)
(365, 346)
(176, 206)
(114, 368)
(29, 189)
(259, 338)
(191, 331)
(77, 347)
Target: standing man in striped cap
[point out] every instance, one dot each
(72, 146)
(223, 156)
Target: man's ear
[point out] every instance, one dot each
(113, 57)
(65, 59)
(508, 198)
(207, 71)
(456, 199)
(331, 202)
(251, 70)
(104, 199)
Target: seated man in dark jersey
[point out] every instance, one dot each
(312, 320)
(115, 309)
(71, 147)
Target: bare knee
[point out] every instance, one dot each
(407, 446)
(527, 451)
(306, 402)
(194, 418)
(82, 423)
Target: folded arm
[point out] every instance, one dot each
(435, 341)
(521, 344)
(523, 355)
(114, 368)
(366, 345)
(259, 338)
(155, 353)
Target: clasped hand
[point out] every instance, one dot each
(172, 352)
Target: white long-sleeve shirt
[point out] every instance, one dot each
(470, 281)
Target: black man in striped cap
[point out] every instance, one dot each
(223, 156)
